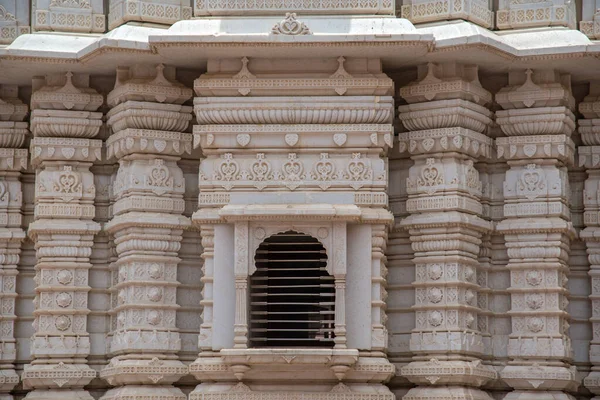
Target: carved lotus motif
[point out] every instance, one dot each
(155, 271)
(435, 318)
(62, 323)
(535, 324)
(435, 295)
(534, 278)
(435, 271)
(64, 277)
(153, 318)
(154, 294)
(63, 299)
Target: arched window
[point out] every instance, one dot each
(292, 297)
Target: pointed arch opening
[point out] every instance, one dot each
(292, 296)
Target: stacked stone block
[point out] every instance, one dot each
(148, 123)
(63, 121)
(13, 160)
(538, 120)
(447, 120)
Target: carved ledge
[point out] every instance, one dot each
(445, 220)
(440, 372)
(540, 377)
(589, 157)
(144, 141)
(305, 364)
(294, 110)
(13, 159)
(65, 92)
(536, 121)
(334, 83)
(554, 147)
(444, 140)
(529, 89)
(148, 371)
(61, 123)
(12, 134)
(11, 107)
(64, 149)
(442, 392)
(445, 114)
(147, 220)
(592, 382)
(56, 376)
(444, 82)
(589, 129)
(140, 392)
(148, 84)
(147, 115)
(338, 137)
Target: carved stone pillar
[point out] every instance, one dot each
(147, 120)
(62, 122)
(446, 118)
(589, 157)
(538, 121)
(13, 159)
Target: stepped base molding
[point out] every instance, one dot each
(68, 394)
(240, 391)
(446, 392)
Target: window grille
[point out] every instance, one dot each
(292, 297)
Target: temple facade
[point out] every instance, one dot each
(299, 200)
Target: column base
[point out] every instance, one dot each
(444, 372)
(67, 394)
(47, 378)
(241, 391)
(538, 378)
(536, 395)
(144, 392)
(446, 392)
(133, 371)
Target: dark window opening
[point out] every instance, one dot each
(292, 297)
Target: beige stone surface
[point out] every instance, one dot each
(444, 155)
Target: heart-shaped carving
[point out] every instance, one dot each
(243, 139)
(291, 139)
(340, 139)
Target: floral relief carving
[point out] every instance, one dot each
(430, 177)
(532, 182)
(290, 26)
